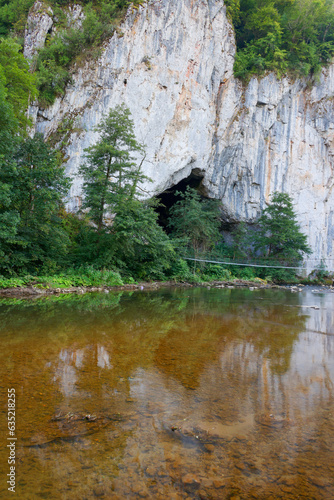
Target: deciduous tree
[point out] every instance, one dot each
(195, 221)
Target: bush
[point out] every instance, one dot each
(11, 282)
(90, 276)
(216, 272)
(180, 271)
(83, 276)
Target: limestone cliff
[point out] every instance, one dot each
(172, 64)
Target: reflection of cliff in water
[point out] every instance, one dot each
(200, 338)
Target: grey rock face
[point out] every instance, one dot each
(38, 24)
(172, 64)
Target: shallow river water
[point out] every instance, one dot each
(171, 394)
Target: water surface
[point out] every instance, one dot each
(175, 394)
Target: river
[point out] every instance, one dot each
(173, 394)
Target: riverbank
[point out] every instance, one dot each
(38, 291)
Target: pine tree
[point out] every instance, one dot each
(279, 235)
(110, 172)
(126, 233)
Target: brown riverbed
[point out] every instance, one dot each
(170, 394)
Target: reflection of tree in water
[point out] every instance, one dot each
(213, 320)
(273, 333)
(186, 350)
(84, 344)
(178, 330)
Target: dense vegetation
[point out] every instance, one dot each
(14, 13)
(17, 88)
(295, 36)
(75, 44)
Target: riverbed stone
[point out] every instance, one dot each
(191, 480)
(209, 447)
(219, 483)
(320, 482)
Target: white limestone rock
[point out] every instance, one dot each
(38, 25)
(75, 16)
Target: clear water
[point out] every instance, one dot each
(175, 394)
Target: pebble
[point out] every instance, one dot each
(286, 489)
(318, 481)
(191, 480)
(218, 484)
(203, 494)
(139, 490)
(209, 447)
(150, 471)
(99, 491)
(287, 480)
(207, 483)
(241, 437)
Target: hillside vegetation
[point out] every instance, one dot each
(295, 36)
(67, 44)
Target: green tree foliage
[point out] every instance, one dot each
(9, 220)
(17, 89)
(195, 222)
(110, 172)
(240, 247)
(279, 234)
(8, 122)
(126, 234)
(282, 35)
(13, 15)
(68, 44)
(140, 246)
(33, 187)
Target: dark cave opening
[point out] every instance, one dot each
(168, 198)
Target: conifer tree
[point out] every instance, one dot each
(126, 233)
(110, 172)
(279, 235)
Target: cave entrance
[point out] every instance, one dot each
(168, 198)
